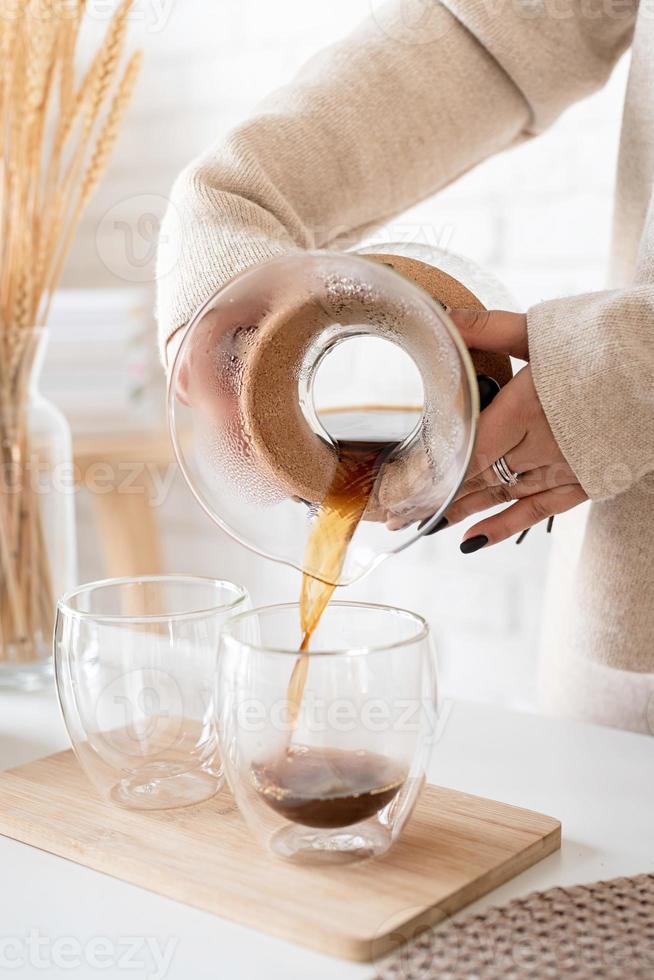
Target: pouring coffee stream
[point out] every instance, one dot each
(319, 787)
(361, 459)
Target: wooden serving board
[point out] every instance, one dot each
(454, 849)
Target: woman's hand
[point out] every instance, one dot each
(514, 426)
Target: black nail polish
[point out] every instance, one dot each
(473, 544)
(488, 388)
(439, 527)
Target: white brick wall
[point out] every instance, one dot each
(539, 216)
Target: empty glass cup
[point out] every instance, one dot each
(135, 664)
(326, 752)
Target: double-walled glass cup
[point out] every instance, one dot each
(326, 752)
(135, 663)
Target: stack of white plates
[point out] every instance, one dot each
(101, 362)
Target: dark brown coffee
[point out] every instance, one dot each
(328, 788)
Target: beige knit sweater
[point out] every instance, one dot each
(389, 116)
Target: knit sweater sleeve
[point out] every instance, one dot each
(592, 359)
(372, 125)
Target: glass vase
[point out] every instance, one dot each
(37, 514)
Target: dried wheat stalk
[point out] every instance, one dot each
(56, 137)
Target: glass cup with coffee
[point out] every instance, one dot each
(327, 770)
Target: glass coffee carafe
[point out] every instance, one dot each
(320, 373)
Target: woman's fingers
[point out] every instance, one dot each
(493, 330)
(502, 427)
(530, 479)
(515, 426)
(492, 495)
(488, 477)
(521, 515)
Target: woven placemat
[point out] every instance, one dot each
(601, 930)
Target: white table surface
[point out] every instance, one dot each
(599, 782)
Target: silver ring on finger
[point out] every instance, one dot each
(504, 473)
